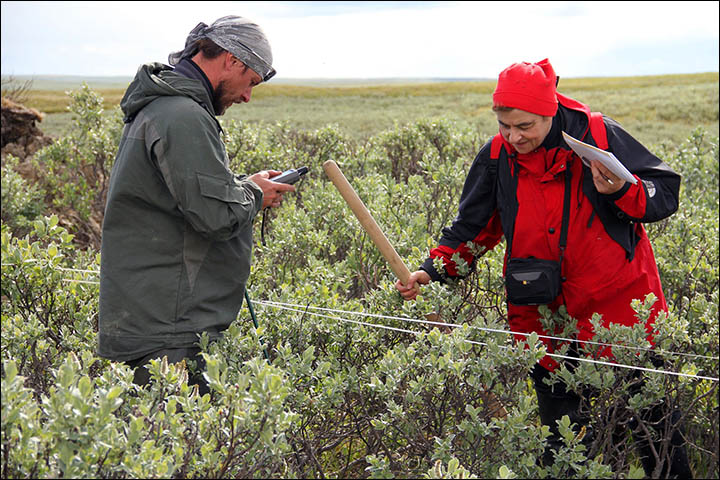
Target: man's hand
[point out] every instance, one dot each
(411, 290)
(272, 191)
(605, 181)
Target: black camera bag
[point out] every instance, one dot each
(532, 281)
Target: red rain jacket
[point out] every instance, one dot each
(608, 260)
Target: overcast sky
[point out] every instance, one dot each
(373, 39)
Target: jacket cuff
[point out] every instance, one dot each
(619, 194)
(253, 188)
(632, 200)
(430, 269)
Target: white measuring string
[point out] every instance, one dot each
(90, 282)
(70, 280)
(78, 270)
(429, 322)
(62, 269)
(303, 309)
(494, 330)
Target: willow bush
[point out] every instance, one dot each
(338, 396)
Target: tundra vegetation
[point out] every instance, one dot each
(340, 397)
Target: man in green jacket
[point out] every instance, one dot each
(177, 234)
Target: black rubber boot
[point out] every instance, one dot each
(174, 355)
(553, 403)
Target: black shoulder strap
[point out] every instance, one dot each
(565, 216)
(566, 213)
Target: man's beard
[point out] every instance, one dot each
(217, 100)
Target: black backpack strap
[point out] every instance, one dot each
(566, 213)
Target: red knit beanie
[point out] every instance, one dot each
(529, 87)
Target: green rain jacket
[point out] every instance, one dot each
(177, 234)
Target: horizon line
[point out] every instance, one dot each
(422, 77)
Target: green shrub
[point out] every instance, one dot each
(45, 314)
(22, 201)
(75, 169)
(339, 396)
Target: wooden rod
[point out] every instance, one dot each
(367, 221)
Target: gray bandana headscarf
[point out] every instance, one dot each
(239, 36)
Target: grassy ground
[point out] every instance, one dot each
(656, 109)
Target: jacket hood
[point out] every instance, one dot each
(154, 80)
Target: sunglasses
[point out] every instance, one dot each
(269, 72)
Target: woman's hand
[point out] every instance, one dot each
(412, 289)
(605, 181)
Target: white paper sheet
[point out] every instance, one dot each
(589, 153)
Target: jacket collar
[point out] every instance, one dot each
(187, 68)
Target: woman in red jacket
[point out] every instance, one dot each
(577, 227)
